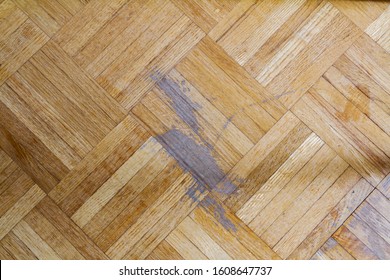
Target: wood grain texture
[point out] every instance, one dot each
(202, 129)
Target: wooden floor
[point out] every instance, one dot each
(194, 129)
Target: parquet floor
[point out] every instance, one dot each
(173, 129)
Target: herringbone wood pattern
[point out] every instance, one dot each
(170, 129)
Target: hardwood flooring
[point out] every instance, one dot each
(169, 129)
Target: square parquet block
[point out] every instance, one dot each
(122, 44)
(20, 39)
(348, 108)
(290, 52)
(126, 191)
(18, 196)
(50, 16)
(365, 235)
(52, 114)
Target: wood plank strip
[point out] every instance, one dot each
(377, 70)
(317, 213)
(173, 52)
(374, 220)
(70, 230)
(103, 171)
(361, 13)
(205, 14)
(88, 86)
(48, 16)
(384, 186)
(230, 232)
(364, 83)
(11, 18)
(280, 178)
(354, 121)
(53, 237)
(185, 114)
(106, 231)
(242, 78)
(353, 244)
(333, 221)
(17, 101)
(359, 99)
(334, 251)
(164, 251)
(299, 40)
(305, 200)
(15, 191)
(8, 175)
(281, 37)
(183, 245)
(242, 41)
(118, 207)
(34, 242)
(125, 17)
(202, 240)
(112, 186)
(85, 24)
(15, 248)
(291, 191)
(302, 72)
(225, 95)
(19, 47)
(20, 209)
(369, 237)
(309, 109)
(133, 243)
(380, 203)
(47, 102)
(94, 158)
(231, 18)
(378, 30)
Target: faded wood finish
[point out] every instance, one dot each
(194, 129)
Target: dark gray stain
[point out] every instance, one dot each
(229, 120)
(195, 191)
(218, 213)
(179, 100)
(196, 159)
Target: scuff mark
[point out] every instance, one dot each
(229, 120)
(276, 97)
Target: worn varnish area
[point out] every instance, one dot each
(194, 129)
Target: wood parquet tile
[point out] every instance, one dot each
(194, 129)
